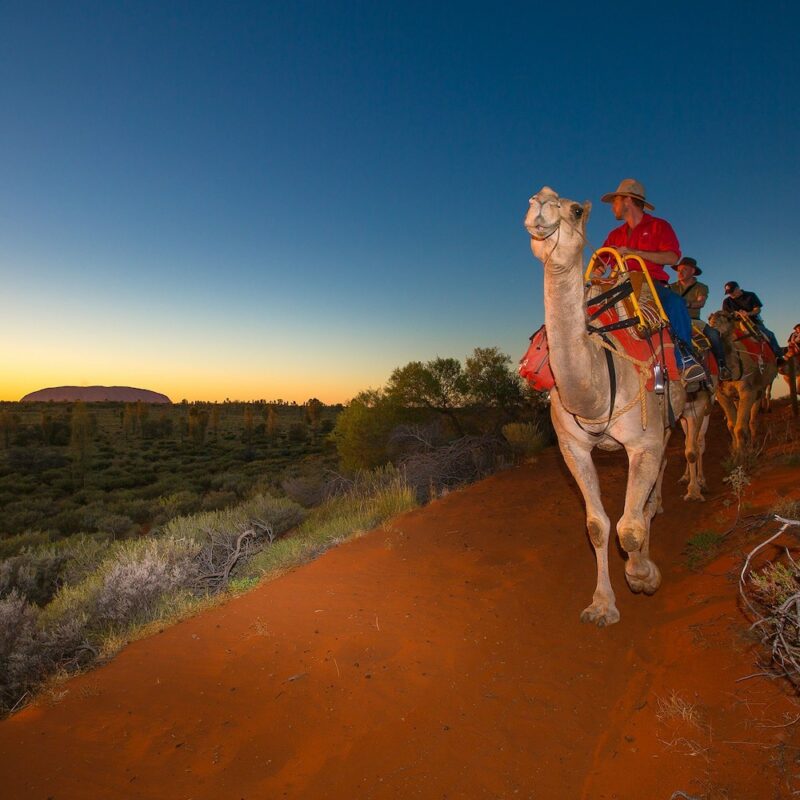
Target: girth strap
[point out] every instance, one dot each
(612, 380)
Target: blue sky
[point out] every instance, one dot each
(254, 200)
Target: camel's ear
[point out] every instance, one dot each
(587, 210)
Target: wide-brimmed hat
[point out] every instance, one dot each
(629, 188)
(692, 262)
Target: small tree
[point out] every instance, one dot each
(313, 412)
(363, 429)
(439, 385)
(80, 440)
(271, 423)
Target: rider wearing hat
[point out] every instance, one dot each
(748, 306)
(695, 294)
(655, 242)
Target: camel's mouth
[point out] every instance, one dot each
(540, 232)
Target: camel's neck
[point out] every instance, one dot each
(732, 356)
(575, 361)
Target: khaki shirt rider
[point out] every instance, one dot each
(694, 296)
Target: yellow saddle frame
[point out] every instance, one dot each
(636, 279)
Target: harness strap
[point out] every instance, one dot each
(614, 326)
(612, 379)
(611, 298)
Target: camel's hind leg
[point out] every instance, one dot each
(694, 423)
(645, 472)
(578, 457)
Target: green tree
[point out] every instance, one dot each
(439, 385)
(363, 429)
(491, 382)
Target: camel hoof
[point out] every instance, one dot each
(683, 479)
(600, 614)
(694, 496)
(647, 581)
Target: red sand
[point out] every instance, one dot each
(442, 657)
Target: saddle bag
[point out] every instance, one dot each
(534, 366)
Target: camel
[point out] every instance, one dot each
(581, 404)
(792, 359)
(741, 398)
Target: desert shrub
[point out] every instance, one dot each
(526, 438)
(13, 545)
(218, 499)
(702, 548)
(116, 525)
(177, 503)
(140, 575)
(30, 650)
(279, 513)
(775, 584)
(298, 433)
(470, 458)
(34, 575)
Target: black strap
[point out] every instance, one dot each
(614, 326)
(612, 380)
(613, 296)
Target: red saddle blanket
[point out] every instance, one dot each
(758, 348)
(534, 366)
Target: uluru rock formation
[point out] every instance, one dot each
(95, 394)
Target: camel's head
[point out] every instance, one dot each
(723, 321)
(557, 227)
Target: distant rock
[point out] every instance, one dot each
(95, 394)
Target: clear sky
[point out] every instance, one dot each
(290, 199)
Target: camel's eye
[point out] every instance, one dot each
(577, 211)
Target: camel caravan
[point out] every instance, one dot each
(625, 356)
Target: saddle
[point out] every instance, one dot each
(633, 292)
(754, 342)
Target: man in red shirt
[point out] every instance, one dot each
(655, 242)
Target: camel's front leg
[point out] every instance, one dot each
(578, 457)
(645, 469)
(729, 407)
(741, 429)
(701, 449)
(754, 411)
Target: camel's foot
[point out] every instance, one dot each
(684, 478)
(643, 576)
(694, 494)
(601, 613)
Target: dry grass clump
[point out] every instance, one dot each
(771, 598)
(675, 707)
(526, 439)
